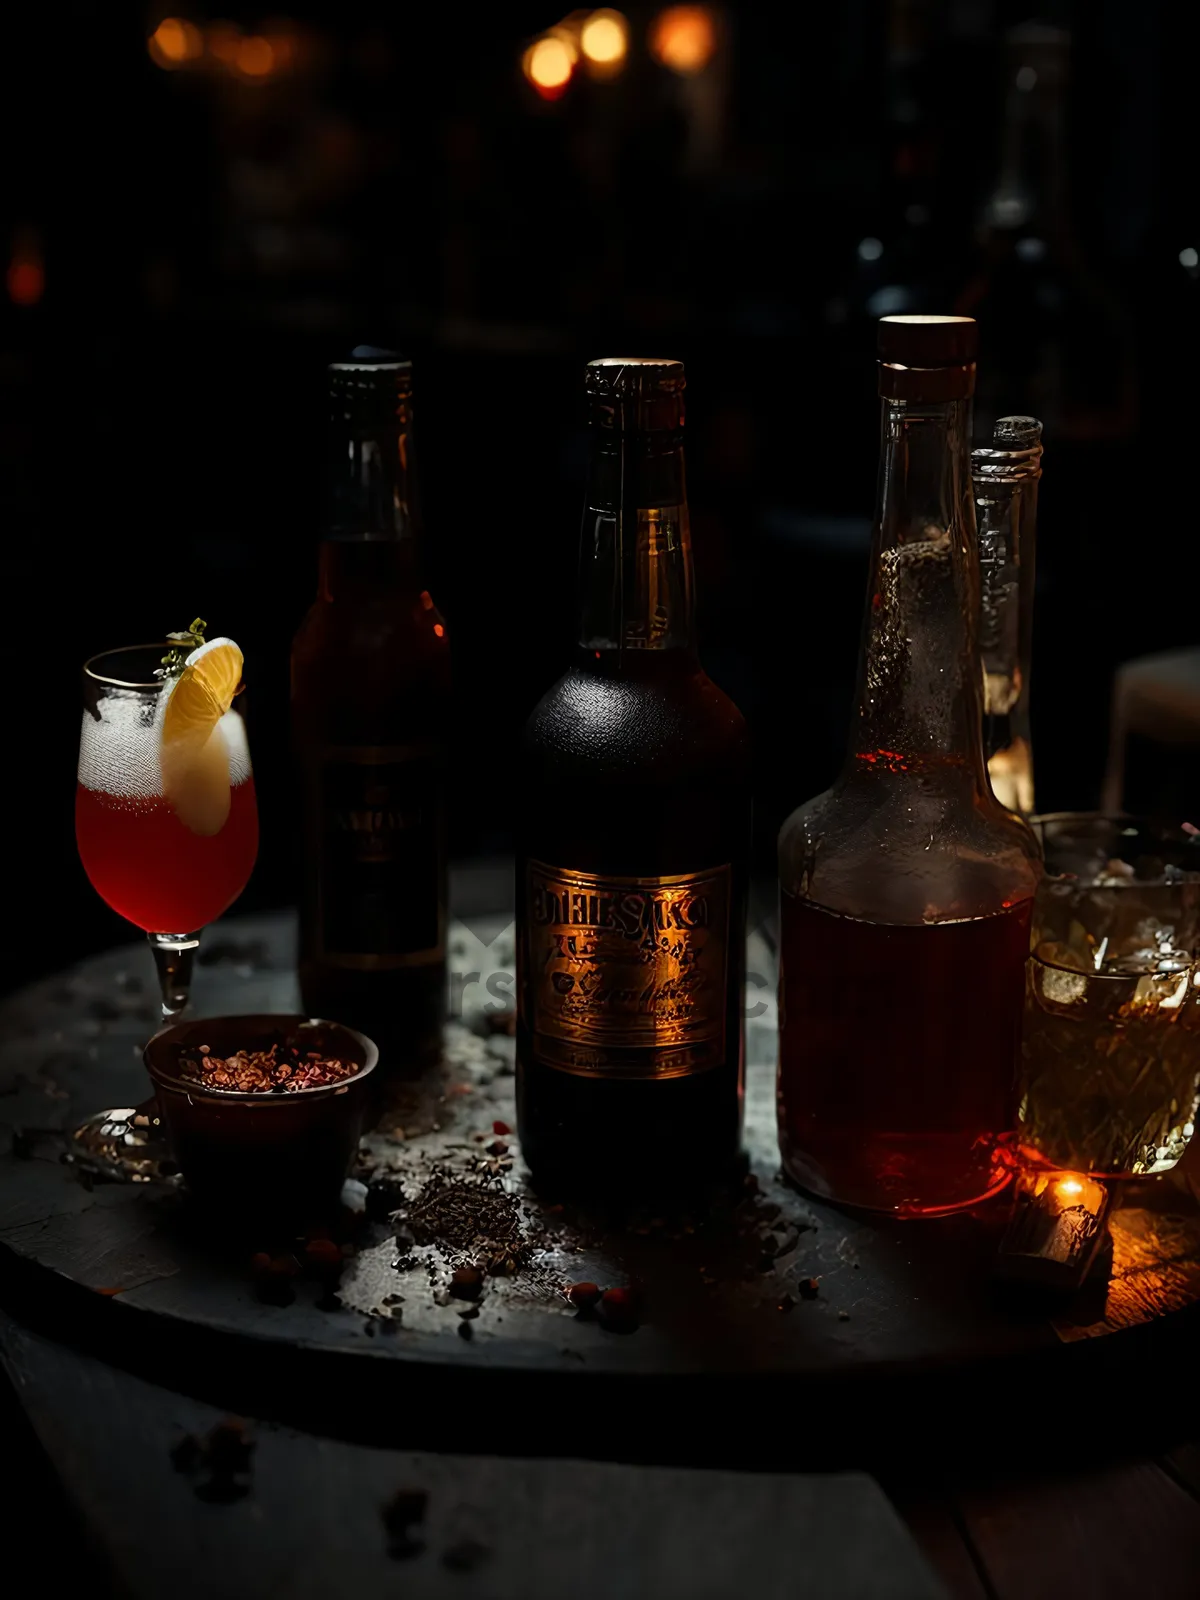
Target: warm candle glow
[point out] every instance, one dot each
(26, 276)
(174, 43)
(604, 38)
(255, 57)
(684, 38)
(1063, 1190)
(548, 65)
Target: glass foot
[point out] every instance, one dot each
(125, 1145)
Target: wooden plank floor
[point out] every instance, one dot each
(1107, 1531)
(495, 1528)
(1110, 1532)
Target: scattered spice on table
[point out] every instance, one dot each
(465, 1215)
(271, 1071)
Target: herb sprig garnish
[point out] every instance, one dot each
(184, 643)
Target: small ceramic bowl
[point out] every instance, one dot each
(278, 1155)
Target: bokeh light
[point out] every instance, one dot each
(255, 57)
(604, 38)
(25, 279)
(174, 43)
(684, 38)
(548, 65)
(224, 42)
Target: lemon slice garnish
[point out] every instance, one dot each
(195, 756)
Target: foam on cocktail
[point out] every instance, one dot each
(120, 754)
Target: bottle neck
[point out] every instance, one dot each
(1006, 475)
(1031, 188)
(635, 559)
(918, 712)
(373, 534)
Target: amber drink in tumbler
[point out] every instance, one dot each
(1110, 1059)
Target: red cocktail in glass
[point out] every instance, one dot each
(165, 815)
(152, 869)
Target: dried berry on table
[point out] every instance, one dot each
(584, 1296)
(273, 1278)
(618, 1310)
(185, 1453)
(465, 1556)
(385, 1194)
(324, 1258)
(466, 1283)
(402, 1517)
(228, 1447)
(220, 1462)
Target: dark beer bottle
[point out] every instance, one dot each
(370, 687)
(634, 840)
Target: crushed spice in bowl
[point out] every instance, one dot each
(269, 1071)
(264, 1113)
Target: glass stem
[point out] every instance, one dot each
(173, 957)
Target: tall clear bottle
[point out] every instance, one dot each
(1006, 475)
(634, 822)
(370, 709)
(906, 888)
(1055, 336)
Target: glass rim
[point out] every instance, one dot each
(1188, 964)
(1161, 837)
(111, 682)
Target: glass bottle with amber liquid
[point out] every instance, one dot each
(634, 841)
(370, 708)
(906, 888)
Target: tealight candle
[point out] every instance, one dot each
(1055, 1230)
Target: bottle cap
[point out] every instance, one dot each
(1016, 433)
(929, 359)
(637, 393)
(370, 390)
(373, 355)
(624, 377)
(1014, 455)
(928, 341)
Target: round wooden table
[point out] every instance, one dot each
(772, 1330)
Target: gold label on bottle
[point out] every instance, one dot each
(626, 977)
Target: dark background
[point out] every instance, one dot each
(188, 247)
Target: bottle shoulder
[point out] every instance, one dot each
(375, 675)
(393, 626)
(662, 722)
(899, 853)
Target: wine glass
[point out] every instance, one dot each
(167, 834)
